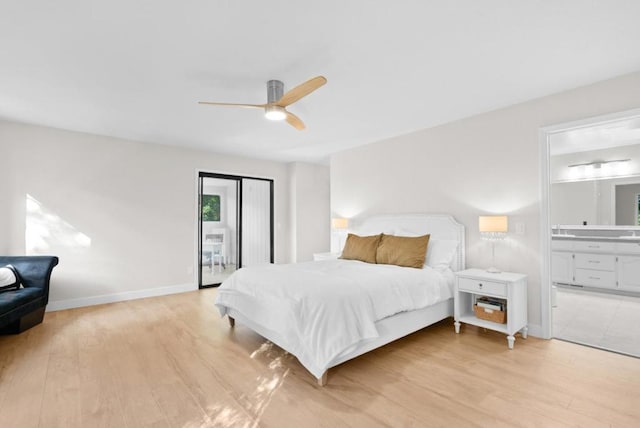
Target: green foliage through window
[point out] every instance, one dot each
(210, 207)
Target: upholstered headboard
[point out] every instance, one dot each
(439, 226)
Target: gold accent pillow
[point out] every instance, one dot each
(361, 248)
(405, 251)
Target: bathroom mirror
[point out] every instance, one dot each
(597, 202)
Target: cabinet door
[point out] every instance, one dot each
(629, 272)
(562, 267)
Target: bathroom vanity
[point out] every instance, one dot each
(599, 257)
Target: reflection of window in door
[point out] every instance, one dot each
(638, 209)
(210, 207)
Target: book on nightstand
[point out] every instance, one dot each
(491, 303)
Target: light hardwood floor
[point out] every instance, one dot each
(173, 362)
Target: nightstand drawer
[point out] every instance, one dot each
(481, 286)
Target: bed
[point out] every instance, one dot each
(328, 312)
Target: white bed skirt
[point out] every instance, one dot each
(389, 329)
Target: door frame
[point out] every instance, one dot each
(544, 134)
(202, 173)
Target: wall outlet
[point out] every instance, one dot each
(520, 228)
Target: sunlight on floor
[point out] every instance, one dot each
(218, 416)
(268, 385)
(258, 401)
(45, 230)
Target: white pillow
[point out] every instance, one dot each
(370, 231)
(9, 279)
(440, 253)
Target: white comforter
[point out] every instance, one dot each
(322, 309)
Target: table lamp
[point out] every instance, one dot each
(339, 226)
(493, 228)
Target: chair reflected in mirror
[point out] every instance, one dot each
(213, 252)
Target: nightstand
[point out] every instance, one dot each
(325, 256)
(512, 287)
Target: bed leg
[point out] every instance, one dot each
(232, 322)
(322, 380)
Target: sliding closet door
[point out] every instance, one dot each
(257, 222)
(218, 228)
(235, 226)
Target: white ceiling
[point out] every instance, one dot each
(136, 69)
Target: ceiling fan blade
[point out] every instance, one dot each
(233, 104)
(301, 90)
(294, 121)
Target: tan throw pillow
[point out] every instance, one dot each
(361, 248)
(402, 250)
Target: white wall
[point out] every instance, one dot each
(4, 217)
(121, 215)
(484, 164)
(310, 211)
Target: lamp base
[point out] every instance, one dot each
(494, 270)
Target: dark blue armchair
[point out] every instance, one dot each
(24, 308)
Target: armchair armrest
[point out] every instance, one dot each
(35, 271)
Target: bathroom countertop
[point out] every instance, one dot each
(596, 238)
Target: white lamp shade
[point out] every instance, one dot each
(339, 223)
(493, 223)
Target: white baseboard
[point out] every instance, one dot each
(59, 305)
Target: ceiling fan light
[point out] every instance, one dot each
(274, 113)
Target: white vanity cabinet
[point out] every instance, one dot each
(629, 273)
(629, 266)
(562, 267)
(613, 265)
(595, 270)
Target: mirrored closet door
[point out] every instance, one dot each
(235, 225)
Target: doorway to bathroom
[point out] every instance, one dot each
(235, 225)
(593, 185)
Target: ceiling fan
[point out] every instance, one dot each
(277, 100)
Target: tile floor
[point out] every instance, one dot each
(602, 320)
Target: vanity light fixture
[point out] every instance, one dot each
(598, 164)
